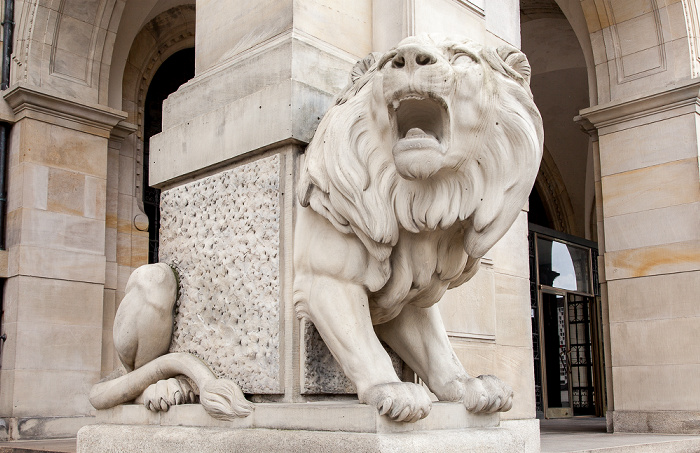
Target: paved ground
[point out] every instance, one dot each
(589, 435)
(557, 436)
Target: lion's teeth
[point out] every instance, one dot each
(395, 104)
(416, 132)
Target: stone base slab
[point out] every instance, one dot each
(512, 436)
(316, 416)
(310, 427)
(665, 422)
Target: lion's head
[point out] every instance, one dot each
(437, 130)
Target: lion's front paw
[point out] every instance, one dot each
(167, 392)
(400, 401)
(487, 393)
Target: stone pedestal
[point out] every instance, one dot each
(311, 427)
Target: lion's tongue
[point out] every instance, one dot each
(417, 132)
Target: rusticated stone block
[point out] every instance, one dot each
(221, 233)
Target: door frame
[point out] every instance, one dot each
(597, 365)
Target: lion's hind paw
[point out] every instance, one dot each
(487, 393)
(167, 392)
(400, 401)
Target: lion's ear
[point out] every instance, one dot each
(362, 66)
(516, 60)
(359, 76)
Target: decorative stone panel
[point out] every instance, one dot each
(221, 233)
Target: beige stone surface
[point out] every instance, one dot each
(257, 21)
(510, 254)
(55, 146)
(671, 341)
(28, 186)
(109, 310)
(346, 416)
(657, 186)
(54, 263)
(49, 428)
(653, 227)
(653, 260)
(648, 145)
(61, 231)
(347, 26)
(4, 271)
(657, 387)
(513, 311)
(58, 302)
(35, 392)
(657, 421)
(469, 311)
(520, 436)
(638, 299)
(216, 135)
(50, 347)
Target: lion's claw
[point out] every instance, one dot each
(487, 393)
(167, 392)
(400, 401)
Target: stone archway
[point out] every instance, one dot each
(552, 191)
(127, 225)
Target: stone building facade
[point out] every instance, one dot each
(615, 81)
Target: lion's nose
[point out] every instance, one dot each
(412, 56)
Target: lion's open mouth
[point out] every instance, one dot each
(419, 124)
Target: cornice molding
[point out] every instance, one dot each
(641, 108)
(43, 105)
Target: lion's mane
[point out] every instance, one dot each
(350, 178)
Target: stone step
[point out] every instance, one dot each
(39, 446)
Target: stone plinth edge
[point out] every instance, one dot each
(512, 436)
(316, 416)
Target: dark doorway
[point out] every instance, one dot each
(566, 325)
(174, 71)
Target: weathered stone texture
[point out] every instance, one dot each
(222, 235)
(322, 373)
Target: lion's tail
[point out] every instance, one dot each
(221, 398)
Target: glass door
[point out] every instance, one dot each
(566, 339)
(555, 363)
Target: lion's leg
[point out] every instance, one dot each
(340, 312)
(419, 337)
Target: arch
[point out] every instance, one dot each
(166, 34)
(66, 46)
(691, 11)
(552, 190)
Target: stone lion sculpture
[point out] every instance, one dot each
(420, 167)
(423, 163)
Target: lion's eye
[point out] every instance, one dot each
(462, 58)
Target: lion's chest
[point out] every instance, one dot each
(422, 267)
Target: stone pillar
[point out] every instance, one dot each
(56, 241)
(265, 74)
(650, 212)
